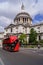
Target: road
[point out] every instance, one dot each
(23, 57)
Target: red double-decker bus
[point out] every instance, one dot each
(11, 43)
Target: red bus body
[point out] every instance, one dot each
(11, 43)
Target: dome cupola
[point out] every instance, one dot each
(22, 7)
(23, 17)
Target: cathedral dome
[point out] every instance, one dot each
(23, 16)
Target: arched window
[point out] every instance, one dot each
(19, 19)
(23, 19)
(11, 29)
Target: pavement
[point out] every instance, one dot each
(33, 50)
(1, 62)
(26, 56)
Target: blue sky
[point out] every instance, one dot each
(9, 9)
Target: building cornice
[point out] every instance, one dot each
(12, 25)
(39, 24)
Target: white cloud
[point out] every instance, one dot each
(1, 29)
(4, 6)
(35, 8)
(10, 8)
(4, 21)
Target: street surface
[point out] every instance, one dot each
(23, 57)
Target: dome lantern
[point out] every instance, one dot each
(22, 7)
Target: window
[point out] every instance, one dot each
(39, 31)
(23, 19)
(11, 29)
(19, 19)
(39, 37)
(23, 27)
(38, 28)
(16, 27)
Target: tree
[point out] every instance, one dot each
(32, 36)
(22, 38)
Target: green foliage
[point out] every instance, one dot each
(31, 46)
(41, 42)
(32, 36)
(22, 38)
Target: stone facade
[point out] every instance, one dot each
(23, 24)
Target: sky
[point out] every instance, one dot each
(9, 9)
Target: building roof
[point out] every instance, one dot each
(38, 24)
(25, 25)
(13, 25)
(9, 26)
(1, 32)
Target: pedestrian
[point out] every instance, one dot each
(38, 46)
